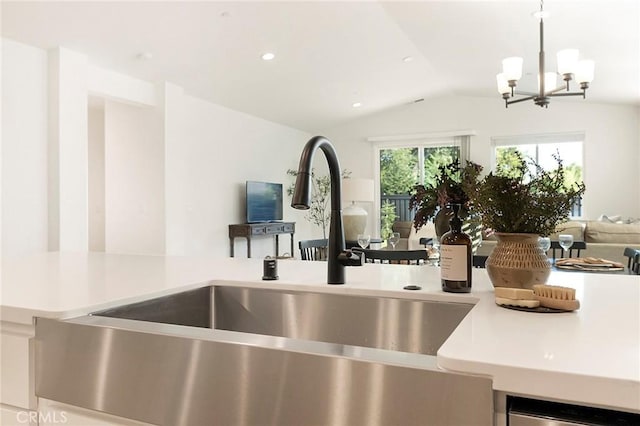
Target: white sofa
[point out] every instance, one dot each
(604, 240)
(410, 238)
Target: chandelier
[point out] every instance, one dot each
(568, 66)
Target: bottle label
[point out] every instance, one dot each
(453, 262)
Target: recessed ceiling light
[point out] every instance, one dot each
(356, 104)
(407, 59)
(268, 56)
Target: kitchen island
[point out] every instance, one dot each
(589, 357)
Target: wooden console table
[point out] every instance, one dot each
(250, 230)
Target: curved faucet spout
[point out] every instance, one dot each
(302, 199)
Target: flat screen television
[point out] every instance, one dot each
(264, 202)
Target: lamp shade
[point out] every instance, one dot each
(357, 189)
(585, 71)
(503, 84)
(567, 61)
(512, 67)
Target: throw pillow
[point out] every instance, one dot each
(610, 219)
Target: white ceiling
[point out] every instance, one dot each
(332, 54)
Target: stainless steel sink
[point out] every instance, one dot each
(376, 322)
(244, 356)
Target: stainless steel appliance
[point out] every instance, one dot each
(532, 412)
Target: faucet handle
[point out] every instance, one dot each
(351, 258)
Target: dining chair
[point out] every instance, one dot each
(404, 257)
(425, 241)
(313, 249)
(633, 264)
(479, 261)
(576, 247)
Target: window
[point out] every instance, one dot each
(541, 149)
(400, 165)
(402, 168)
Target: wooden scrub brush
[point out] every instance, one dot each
(557, 297)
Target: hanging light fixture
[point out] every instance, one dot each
(568, 66)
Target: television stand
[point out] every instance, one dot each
(250, 230)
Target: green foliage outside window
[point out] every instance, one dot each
(387, 217)
(437, 157)
(508, 163)
(398, 170)
(399, 167)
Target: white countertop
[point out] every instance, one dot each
(591, 356)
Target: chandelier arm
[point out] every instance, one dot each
(567, 94)
(515, 101)
(557, 89)
(532, 94)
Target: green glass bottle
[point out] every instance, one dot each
(455, 256)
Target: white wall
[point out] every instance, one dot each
(24, 149)
(96, 176)
(107, 84)
(134, 179)
(49, 173)
(210, 152)
(67, 151)
(611, 148)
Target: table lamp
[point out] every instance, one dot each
(355, 217)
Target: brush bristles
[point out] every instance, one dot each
(554, 292)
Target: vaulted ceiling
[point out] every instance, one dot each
(330, 55)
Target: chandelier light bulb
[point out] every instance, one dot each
(512, 68)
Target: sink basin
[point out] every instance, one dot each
(376, 322)
(246, 356)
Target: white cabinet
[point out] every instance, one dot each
(17, 376)
(12, 416)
